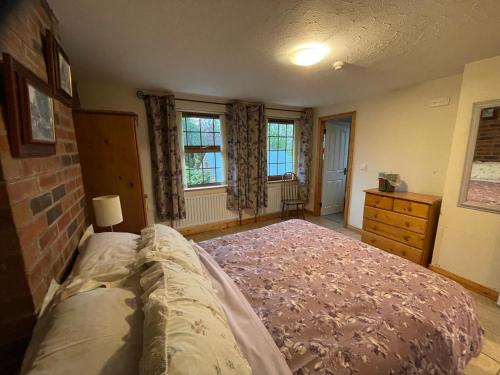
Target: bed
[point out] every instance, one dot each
(293, 297)
(336, 305)
(484, 185)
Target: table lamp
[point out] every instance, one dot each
(107, 210)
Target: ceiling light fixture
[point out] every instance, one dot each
(309, 54)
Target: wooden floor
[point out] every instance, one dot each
(487, 363)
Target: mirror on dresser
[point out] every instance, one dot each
(481, 178)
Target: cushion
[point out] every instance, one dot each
(106, 260)
(185, 328)
(161, 243)
(96, 332)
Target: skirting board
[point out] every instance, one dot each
(471, 285)
(355, 229)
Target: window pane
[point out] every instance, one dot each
(184, 141)
(207, 124)
(217, 138)
(281, 143)
(281, 169)
(273, 170)
(273, 157)
(203, 168)
(193, 124)
(273, 129)
(273, 143)
(218, 159)
(280, 147)
(218, 174)
(207, 139)
(193, 139)
(281, 156)
(217, 125)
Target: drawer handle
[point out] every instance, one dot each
(409, 209)
(406, 238)
(407, 224)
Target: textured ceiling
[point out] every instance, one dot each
(240, 48)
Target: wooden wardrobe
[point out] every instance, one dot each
(109, 157)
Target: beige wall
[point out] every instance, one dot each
(468, 241)
(111, 96)
(400, 132)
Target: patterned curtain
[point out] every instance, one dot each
(166, 162)
(305, 152)
(247, 157)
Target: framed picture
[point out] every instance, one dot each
(30, 116)
(58, 69)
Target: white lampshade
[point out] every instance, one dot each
(107, 210)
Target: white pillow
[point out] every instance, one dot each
(105, 251)
(106, 260)
(92, 333)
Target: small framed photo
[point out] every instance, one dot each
(58, 69)
(30, 116)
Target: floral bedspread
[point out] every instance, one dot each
(335, 305)
(484, 193)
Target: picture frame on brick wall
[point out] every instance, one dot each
(29, 111)
(58, 70)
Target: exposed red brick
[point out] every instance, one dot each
(22, 189)
(47, 181)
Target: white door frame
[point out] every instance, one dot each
(319, 164)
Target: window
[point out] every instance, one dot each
(280, 148)
(201, 136)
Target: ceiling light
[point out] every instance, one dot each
(309, 55)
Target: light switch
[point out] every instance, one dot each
(363, 167)
(439, 102)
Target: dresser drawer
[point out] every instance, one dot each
(411, 208)
(378, 201)
(393, 247)
(413, 224)
(395, 233)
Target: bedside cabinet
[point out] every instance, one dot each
(401, 223)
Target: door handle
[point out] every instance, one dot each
(345, 171)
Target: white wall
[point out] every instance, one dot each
(468, 241)
(111, 96)
(399, 132)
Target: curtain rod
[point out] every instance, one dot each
(140, 94)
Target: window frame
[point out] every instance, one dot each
(282, 121)
(202, 149)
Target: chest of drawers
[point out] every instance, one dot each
(401, 223)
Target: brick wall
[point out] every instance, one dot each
(42, 211)
(488, 139)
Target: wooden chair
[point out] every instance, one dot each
(290, 195)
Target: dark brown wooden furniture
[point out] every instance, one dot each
(401, 223)
(290, 195)
(107, 144)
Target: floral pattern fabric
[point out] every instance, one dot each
(305, 153)
(246, 157)
(335, 305)
(185, 327)
(484, 193)
(166, 164)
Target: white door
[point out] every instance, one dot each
(334, 168)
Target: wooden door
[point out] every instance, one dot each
(109, 157)
(334, 168)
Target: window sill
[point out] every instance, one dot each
(205, 188)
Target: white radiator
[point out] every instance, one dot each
(211, 208)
